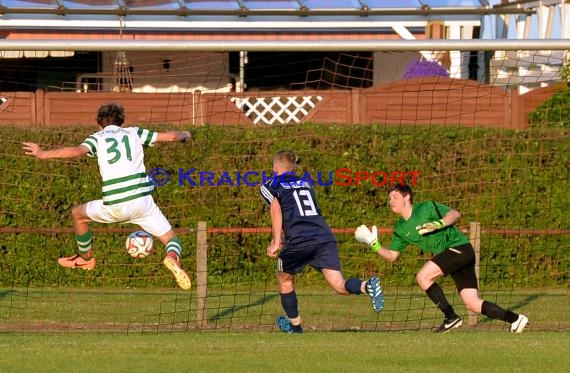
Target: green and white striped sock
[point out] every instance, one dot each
(84, 244)
(175, 246)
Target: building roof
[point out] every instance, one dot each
(233, 14)
(255, 20)
(232, 7)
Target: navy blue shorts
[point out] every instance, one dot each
(292, 260)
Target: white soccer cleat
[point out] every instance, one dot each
(519, 325)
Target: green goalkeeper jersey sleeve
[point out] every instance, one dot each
(405, 232)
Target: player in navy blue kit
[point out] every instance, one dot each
(308, 241)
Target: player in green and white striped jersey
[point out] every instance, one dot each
(120, 155)
(126, 194)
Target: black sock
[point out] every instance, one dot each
(493, 311)
(510, 317)
(435, 293)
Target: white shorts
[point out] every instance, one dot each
(142, 211)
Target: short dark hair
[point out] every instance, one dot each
(111, 113)
(403, 189)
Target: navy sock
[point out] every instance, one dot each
(352, 285)
(290, 304)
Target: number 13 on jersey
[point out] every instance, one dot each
(305, 203)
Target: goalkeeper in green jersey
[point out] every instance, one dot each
(430, 226)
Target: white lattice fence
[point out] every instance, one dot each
(277, 109)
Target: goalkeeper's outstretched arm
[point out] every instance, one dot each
(387, 254)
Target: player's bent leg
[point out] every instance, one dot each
(154, 222)
(83, 238)
(80, 219)
(336, 280)
(471, 300)
(428, 274)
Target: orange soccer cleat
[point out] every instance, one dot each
(77, 261)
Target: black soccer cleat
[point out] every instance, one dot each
(449, 324)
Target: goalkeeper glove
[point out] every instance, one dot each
(364, 235)
(430, 227)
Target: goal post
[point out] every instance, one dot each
(488, 139)
(283, 46)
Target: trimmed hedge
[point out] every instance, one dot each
(516, 180)
(554, 112)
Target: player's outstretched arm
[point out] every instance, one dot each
(388, 255)
(35, 150)
(370, 238)
(170, 136)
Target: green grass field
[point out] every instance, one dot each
(103, 330)
(254, 308)
(458, 351)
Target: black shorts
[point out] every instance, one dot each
(292, 260)
(459, 263)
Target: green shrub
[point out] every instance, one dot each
(554, 112)
(504, 179)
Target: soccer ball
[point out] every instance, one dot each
(139, 244)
